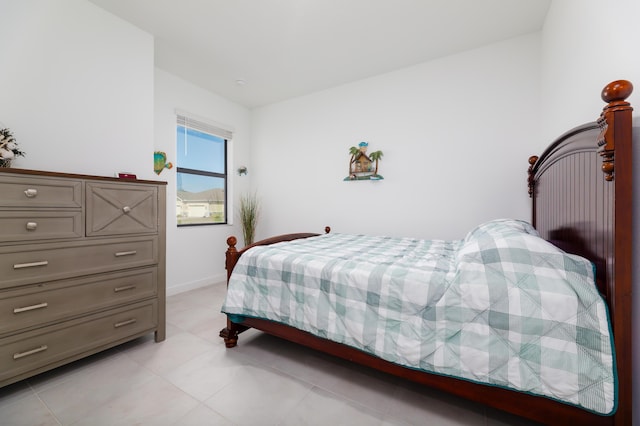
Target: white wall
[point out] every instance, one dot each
(451, 134)
(195, 254)
(76, 88)
(585, 46)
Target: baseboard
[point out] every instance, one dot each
(182, 287)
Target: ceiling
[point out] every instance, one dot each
(257, 52)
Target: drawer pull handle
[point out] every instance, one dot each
(123, 323)
(125, 253)
(30, 308)
(30, 265)
(126, 209)
(31, 193)
(31, 226)
(19, 355)
(124, 288)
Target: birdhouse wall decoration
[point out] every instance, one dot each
(363, 166)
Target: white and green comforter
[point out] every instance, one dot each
(501, 307)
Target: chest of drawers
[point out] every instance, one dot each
(82, 267)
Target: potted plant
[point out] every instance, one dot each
(249, 214)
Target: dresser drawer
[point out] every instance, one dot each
(39, 225)
(35, 191)
(21, 265)
(49, 302)
(121, 209)
(37, 349)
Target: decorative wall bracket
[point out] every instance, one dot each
(160, 162)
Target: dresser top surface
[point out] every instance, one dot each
(14, 171)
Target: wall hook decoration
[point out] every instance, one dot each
(363, 166)
(160, 162)
(242, 170)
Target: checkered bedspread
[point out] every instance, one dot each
(500, 307)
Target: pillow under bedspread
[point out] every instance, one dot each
(500, 307)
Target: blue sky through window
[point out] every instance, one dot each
(199, 151)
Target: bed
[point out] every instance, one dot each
(457, 315)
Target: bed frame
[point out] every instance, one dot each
(581, 187)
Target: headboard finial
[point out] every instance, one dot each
(615, 95)
(616, 91)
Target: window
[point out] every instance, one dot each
(201, 173)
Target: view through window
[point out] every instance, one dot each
(201, 176)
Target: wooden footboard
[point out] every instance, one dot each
(231, 331)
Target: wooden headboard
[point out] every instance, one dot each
(582, 201)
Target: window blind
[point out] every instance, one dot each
(203, 126)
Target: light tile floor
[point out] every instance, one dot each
(192, 379)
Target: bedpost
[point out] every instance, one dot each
(615, 148)
(231, 256)
(231, 331)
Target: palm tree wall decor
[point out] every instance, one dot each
(360, 164)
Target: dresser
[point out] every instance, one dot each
(82, 267)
